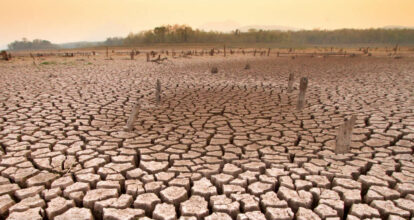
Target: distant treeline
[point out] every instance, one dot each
(36, 44)
(186, 34)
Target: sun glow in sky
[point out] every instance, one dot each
(92, 20)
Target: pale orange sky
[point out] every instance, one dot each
(90, 20)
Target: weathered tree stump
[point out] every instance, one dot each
(214, 70)
(5, 56)
(268, 52)
(132, 117)
(343, 138)
(224, 50)
(290, 82)
(303, 86)
(148, 57)
(158, 92)
(107, 52)
(34, 60)
(132, 54)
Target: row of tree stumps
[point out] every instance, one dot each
(135, 108)
(344, 133)
(343, 138)
(302, 90)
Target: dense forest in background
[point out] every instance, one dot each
(171, 34)
(36, 44)
(185, 34)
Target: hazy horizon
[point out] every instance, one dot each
(75, 20)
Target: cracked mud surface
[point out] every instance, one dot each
(229, 145)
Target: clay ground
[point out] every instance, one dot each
(229, 145)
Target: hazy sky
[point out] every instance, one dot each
(77, 20)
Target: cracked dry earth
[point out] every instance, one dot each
(229, 145)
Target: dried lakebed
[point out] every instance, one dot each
(229, 145)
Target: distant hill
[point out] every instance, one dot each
(228, 26)
(398, 27)
(80, 44)
(268, 28)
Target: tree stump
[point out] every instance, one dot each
(132, 117)
(290, 82)
(268, 52)
(303, 86)
(4, 55)
(158, 92)
(343, 138)
(132, 54)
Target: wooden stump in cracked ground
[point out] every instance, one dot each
(343, 138)
(290, 82)
(158, 92)
(5, 56)
(303, 86)
(132, 54)
(132, 117)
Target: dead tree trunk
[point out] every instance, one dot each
(4, 55)
(302, 93)
(34, 60)
(343, 139)
(158, 92)
(395, 49)
(132, 54)
(132, 117)
(224, 50)
(107, 52)
(268, 52)
(148, 57)
(290, 82)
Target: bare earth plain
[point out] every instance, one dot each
(229, 145)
